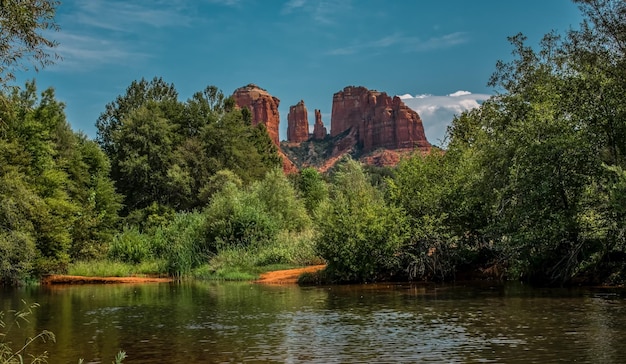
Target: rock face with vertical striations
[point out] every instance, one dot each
(262, 105)
(379, 120)
(319, 130)
(298, 123)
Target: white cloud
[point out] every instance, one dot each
(460, 93)
(437, 112)
(440, 42)
(104, 32)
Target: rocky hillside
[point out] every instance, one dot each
(366, 124)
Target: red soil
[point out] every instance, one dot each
(288, 276)
(63, 279)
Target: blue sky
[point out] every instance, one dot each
(295, 49)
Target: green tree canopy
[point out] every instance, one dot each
(23, 24)
(165, 152)
(56, 200)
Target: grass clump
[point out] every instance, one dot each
(109, 268)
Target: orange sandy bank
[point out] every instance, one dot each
(288, 276)
(63, 279)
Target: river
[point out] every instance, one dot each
(383, 323)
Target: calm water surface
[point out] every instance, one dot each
(243, 322)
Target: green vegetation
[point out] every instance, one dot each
(57, 201)
(310, 153)
(11, 353)
(531, 186)
(23, 39)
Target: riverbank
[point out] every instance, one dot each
(284, 276)
(287, 276)
(67, 279)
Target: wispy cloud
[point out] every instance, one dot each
(384, 42)
(437, 112)
(321, 11)
(83, 53)
(292, 5)
(441, 42)
(225, 2)
(126, 16)
(104, 32)
(407, 44)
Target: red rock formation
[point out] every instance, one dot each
(319, 130)
(298, 123)
(289, 167)
(385, 157)
(380, 121)
(262, 105)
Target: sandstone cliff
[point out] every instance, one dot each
(366, 124)
(262, 105)
(379, 120)
(297, 123)
(319, 130)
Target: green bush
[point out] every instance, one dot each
(277, 198)
(17, 254)
(130, 246)
(297, 249)
(360, 236)
(236, 218)
(186, 248)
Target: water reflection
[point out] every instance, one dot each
(218, 323)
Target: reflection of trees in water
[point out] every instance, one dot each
(218, 322)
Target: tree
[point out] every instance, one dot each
(539, 148)
(137, 95)
(56, 200)
(280, 202)
(144, 152)
(164, 152)
(360, 236)
(22, 27)
(312, 188)
(439, 195)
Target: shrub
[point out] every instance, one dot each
(130, 246)
(236, 218)
(17, 253)
(277, 197)
(360, 236)
(185, 248)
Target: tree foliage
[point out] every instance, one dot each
(165, 151)
(541, 150)
(360, 235)
(56, 199)
(23, 24)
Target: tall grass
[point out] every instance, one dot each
(109, 268)
(185, 248)
(15, 353)
(11, 353)
(291, 248)
(288, 250)
(130, 246)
